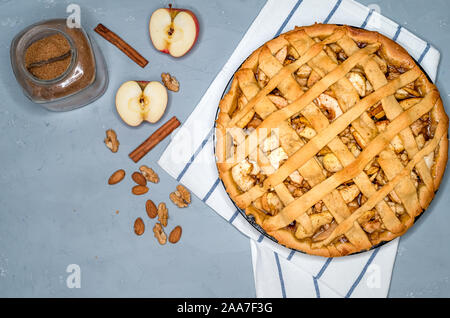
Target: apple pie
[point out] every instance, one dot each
(332, 138)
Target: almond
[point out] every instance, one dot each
(175, 235)
(116, 177)
(139, 190)
(151, 209)
(139, 226)
(139, 178)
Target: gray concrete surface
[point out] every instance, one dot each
(55, 206)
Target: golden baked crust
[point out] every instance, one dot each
(332, 138)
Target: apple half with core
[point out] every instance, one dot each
(137, 101)
(173, 31)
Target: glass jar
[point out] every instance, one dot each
(83, 81)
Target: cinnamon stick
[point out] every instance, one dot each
(159, 135)
(116, 40)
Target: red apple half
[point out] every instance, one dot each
(137, 101)
(173, 31)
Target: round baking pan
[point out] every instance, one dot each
(250, 219)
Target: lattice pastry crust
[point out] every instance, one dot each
(332, 138)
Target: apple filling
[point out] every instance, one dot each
(247, 176)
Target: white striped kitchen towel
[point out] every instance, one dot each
(278, 271)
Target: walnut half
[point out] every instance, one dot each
(181, 198)
(163, 214)
(111, 140)
(158, 231)
(149, 174)
(170, 82)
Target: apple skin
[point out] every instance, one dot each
(173, 12)
(142, 84)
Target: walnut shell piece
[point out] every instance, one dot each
(149, 174)
(158, 231)
(181, 198)
(163, 214)
(170, 82)
(111, 140)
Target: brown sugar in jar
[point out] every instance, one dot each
(49, 57)
(57, 66)
(78, 75)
